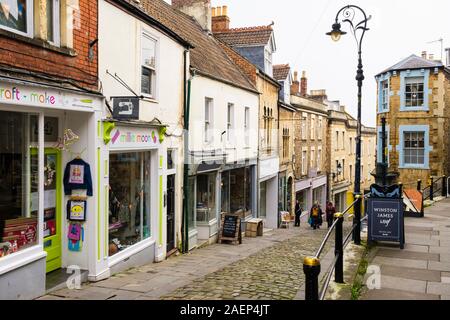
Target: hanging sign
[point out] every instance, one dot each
(125, 108)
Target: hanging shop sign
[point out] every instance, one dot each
(134, 138)
(125, 108)
(41, 97)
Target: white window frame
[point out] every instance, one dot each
(304, 127)
(56, 24)
(230, 122)
(384, 95)
(320, 135)
(313, 120)
(208, 119)
(247, 125)
(30, 22)
(267, 59)
(304, 160)
(313, 159)
(154, 84)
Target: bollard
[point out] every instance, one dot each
(431, 188)
(311, 268)
(400, 185)
(339, 249)
(419, 185)
(444, 187)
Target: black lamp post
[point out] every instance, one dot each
(350, 14)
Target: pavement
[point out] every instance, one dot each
(268, 267)
(422, 270)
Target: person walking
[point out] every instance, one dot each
(330, 211)
(298, 213)
(315, 216)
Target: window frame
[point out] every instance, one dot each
(230, 122)
(408, 74)
(56, 24)
(29, 19)
(208, 122)
(247, 125)
(384, 78)
(427, 147)
(154, 81)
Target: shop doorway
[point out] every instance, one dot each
(170, 214)
(52, 204)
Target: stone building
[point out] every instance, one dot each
(310, 146)
(286, 136)
(239, 44)
(414, 97)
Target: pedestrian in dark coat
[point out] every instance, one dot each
(298, 213)
(330, 211)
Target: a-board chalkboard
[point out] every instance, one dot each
(386, 220)
(230, 228)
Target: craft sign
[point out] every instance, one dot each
(134, 137)
(386, 220)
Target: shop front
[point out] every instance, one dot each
(47, 167)
(311, 191)
(134, 185)
(268, 192)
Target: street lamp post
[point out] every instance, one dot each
(350, 14)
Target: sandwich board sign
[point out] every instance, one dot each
(386, 220)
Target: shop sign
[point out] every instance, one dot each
(41, 97)
(230, 228)
(269, 167)
(125, 108)
(130, 137)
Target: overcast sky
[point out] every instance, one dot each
(399, 28)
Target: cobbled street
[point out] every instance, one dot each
(268, 267)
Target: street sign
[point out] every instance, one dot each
(386, 220)
(125, 108)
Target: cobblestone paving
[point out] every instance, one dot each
(268, 267)
(274, 273)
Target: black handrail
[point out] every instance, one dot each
(311, 265)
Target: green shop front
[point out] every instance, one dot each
(50, 147)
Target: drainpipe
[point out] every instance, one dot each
(186, 103)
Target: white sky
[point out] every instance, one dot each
(399, 28)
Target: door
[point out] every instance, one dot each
(170, 213)
(52, 205)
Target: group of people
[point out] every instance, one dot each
(315, 218)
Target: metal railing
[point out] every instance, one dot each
(436, 186)
(311, 265)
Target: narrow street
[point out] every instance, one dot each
(268, 267)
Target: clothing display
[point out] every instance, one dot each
(77, 176)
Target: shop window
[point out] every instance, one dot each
(206, 197)
(129, 199)
(191, 204)
(236, 188)
(225, 192)
(170, 159)
(262, 199)
(148, 75)
(19, 183)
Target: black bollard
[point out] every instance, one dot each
(339, 249)
(311, 268)
(419, 185)
(444, 187)
(431, 188)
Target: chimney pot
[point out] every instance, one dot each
(225, 10)
(424, 54)
(219, 11)
(431, 57)
(304, 85)
(295, 76)
(213, 11)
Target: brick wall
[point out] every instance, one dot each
(68, 63)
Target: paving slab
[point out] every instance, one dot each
(438, 288)
(392, 294)
(440, 266)
(401, 254)
(389, 282)
(418, 264)
(411, 273)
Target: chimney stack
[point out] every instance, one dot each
(424, 54)
(295, 87)
(220, 19)
(304, 85)
(431, 56)
(200, 10)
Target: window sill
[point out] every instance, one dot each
(149, 99)
(38, 43)
(412, 167)
(406, 109)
